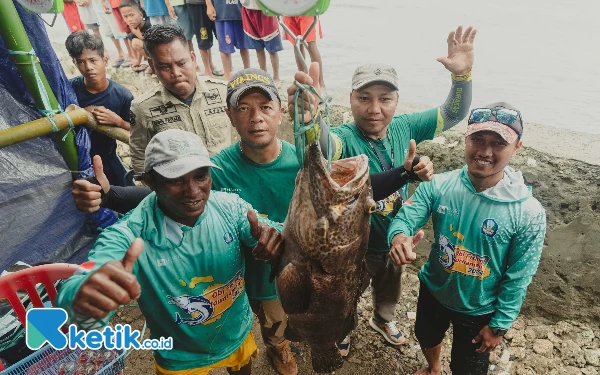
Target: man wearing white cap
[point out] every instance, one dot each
(386, 139)
(488, 238)
(179, 254)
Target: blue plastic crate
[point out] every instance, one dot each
(47, 361)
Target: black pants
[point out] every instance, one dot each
(433, 320)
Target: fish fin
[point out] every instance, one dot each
(293, 284)
(325, 357)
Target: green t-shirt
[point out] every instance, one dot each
(419, 126)
(191, 278)
(269, 189)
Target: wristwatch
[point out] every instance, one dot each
(499, 331)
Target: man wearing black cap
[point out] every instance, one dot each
(385, 139)
(488, 238)
(179, 253)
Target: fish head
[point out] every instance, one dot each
(344, 191)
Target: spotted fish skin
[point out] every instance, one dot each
(321, 269)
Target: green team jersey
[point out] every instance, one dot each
(350, 142)
(487, 245)
(191, 278)
(269, 189)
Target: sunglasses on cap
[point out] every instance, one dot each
(509, 117)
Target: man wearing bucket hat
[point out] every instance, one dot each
(386, 138)
(179, 254)
(488, 238)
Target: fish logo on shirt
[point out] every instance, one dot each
(210, 305)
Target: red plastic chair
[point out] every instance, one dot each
(27, 279)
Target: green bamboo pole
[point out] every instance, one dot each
(40, 127)
(43, 126)
(16, 39)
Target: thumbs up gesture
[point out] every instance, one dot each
(402, 250)
(87, 195)
(424, 167)
(270, 241)
(110, 286)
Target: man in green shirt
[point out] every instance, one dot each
(179, 254)
(385, 138)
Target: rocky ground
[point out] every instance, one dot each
(534, 346)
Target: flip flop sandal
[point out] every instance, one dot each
(118, 63)
(218, 72)
(126, 64)
(139, 68)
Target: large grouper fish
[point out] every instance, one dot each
(321, 269)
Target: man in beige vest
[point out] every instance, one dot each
(183, 100)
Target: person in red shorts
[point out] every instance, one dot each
(263, 32)
(71, 15)
(298, 25)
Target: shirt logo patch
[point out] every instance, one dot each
(163, 109)
(212, 96)
(211, 305)
(489, 227)
(457, 258)
(214, 111)
(227, 237)
(167, 120)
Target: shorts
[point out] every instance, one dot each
(299, 25)
(203, 27)
(123, 26)
(262, 30)
(71, 15)
(184, 21)
(92, 26)
(238, 359)
(433, 320)
(162, 20)
(87, 15)
(108, 25)
(231, 34)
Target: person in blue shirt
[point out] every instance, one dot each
(107, 100)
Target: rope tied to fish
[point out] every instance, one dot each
(305, 132)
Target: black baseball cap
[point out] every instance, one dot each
(247, 79)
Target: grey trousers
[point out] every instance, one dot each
(386, 289)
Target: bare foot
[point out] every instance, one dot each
(277, 82)
(427, 371)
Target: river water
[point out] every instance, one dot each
(541, 56)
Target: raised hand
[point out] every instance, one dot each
(402, 248)
(88, 196)
(270, 241)
(110, 286)
(423, 169)
(460, 51)
(311, 79)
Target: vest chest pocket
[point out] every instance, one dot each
(217, 127)
(167, 116)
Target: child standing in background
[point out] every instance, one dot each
(227, 15)
(263, 33)
(205, 29)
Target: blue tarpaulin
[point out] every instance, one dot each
(38, 219)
